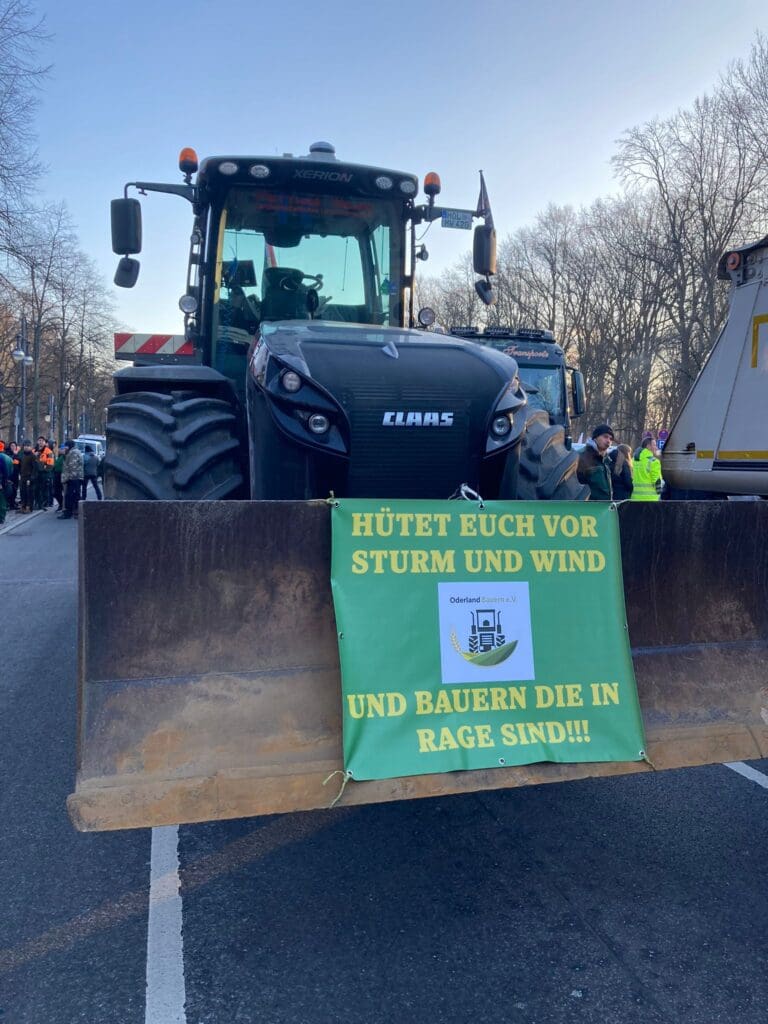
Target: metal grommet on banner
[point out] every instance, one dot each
(333, 500)
(647, 759)
(345, 777)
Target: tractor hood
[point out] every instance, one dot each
(304, 345)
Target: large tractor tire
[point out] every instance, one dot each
(171, 447)
(547, 470)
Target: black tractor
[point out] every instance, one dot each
(303, 369)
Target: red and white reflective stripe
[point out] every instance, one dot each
(153, 345)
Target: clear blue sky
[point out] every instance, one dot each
(536, 95)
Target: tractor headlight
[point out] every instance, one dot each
(501, 425)
(318, 423)
(291, 381)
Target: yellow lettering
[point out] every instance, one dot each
(423, 702)
(442, 519)
(480, 700)
(595, 561)
(447, 740)
(508, 734)
(525, 525)
(545, 696)
(466, 737)
(356, 704)
(468, 525)
(499, 699)
(375, 705)
(419, 561)
(359, 563)
(442, 703)
(484, 738)
(396, 705)
(543, 561)
(550, 524)
(573, 698)
(423, 524)
(403, 520)
(426, 741)
(604, 693)
(443, 561)
(362, 524)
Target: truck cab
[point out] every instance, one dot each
(552, 385)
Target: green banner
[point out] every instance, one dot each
(481, 636)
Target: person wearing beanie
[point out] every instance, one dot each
(594, 470)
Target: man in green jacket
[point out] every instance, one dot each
(646, 475)
(593, 467)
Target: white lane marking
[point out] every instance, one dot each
(166, 990)
(749, 773)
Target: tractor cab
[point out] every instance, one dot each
(287, 238)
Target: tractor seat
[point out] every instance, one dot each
(284, 297)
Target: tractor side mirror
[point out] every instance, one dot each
(485, 290)
(484, 250)
(127, 272)
(126, 226)
(578, 393)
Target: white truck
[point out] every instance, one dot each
(718, 446)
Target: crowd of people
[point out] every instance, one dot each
(33, 477)
(613, 472)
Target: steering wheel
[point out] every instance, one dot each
(292, 282)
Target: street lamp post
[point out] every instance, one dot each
(67, 410)
(22, 360)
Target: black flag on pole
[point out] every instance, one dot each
(484, 203)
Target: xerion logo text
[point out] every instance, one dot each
(417, 419)
(313, 175)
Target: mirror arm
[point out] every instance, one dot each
(188, 192)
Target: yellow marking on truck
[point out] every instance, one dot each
(705, 455)
(756, 321)
(743, 456)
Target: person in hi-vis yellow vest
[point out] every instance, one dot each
(646, 475)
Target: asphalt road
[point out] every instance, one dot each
(636, 899)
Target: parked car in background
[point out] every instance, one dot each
(97, 441)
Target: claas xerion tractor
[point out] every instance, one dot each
(209, 670)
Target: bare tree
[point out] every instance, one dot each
(21, 37)
(701, 168)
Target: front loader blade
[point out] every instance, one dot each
(209, 674)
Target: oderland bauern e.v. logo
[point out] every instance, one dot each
(485, 632)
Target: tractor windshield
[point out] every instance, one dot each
(307, 257)
(550, 393)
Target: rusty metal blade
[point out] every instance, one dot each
(209, 675)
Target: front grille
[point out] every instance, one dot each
(415, 461)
